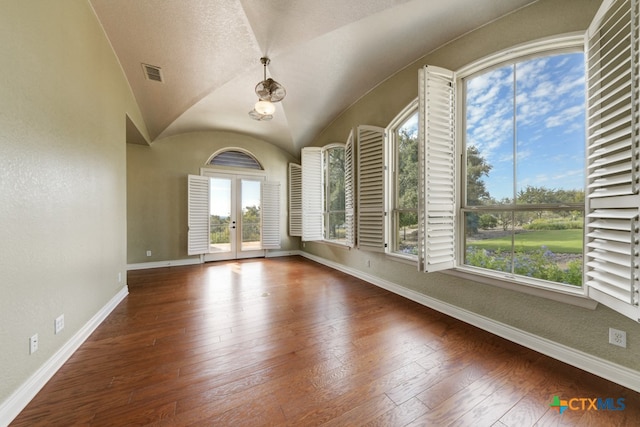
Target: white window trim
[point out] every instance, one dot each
(350, 191)
(565, 295)
(565, 42)
(210, 171)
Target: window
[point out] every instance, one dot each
(524, 144)
(236, 159)
(403, 150)
(326, 187)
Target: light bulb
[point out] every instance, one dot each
(265, 107)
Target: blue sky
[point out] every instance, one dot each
(549, 123)
(220, 195)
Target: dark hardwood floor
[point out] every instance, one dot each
(286, 341)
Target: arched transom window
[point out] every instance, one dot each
(235, 158)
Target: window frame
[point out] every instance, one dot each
(569, 43)
(327, 186)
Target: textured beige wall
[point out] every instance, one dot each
(63, 101)
(582, 329)
(157, 189)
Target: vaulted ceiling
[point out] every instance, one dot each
(326, 53)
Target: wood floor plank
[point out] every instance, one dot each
(401, 415)
(334, 401)
(286, 341)
(362, 414)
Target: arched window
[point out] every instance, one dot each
(524, 140)
(235, 158)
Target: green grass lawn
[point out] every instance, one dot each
(558, 241)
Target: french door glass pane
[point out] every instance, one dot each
(220, 212)
(250, 215)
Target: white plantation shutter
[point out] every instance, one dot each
(198, 215)
(295, 200)
(312, 194)
(612, 223)
(436, 146)
(349, 188)
(270, 235)
(370, 226)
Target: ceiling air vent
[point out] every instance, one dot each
(152, 72)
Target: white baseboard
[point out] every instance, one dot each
(273, 254)
(10, 408)
(603, 368)
(269, 253)
(170, 263)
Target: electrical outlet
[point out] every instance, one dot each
(33, 344)
(148, 253)
(617, 337)
(119, 277)
(59, 324)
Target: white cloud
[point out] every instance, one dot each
(569, 174)
(565, 116)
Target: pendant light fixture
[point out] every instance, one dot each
(268, 91)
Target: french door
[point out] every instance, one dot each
(232, 215)
(235, 208)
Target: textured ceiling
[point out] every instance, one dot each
(327, 54)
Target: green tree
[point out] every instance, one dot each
(408, 175)
(477, 194)
(488, 221)
(219, 229)
(477, 168)
(504, 218)
(335, 202)
(335, 165)
(251, 224)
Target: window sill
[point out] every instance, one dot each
(331, 243)
(405, 259)
(571, 296)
